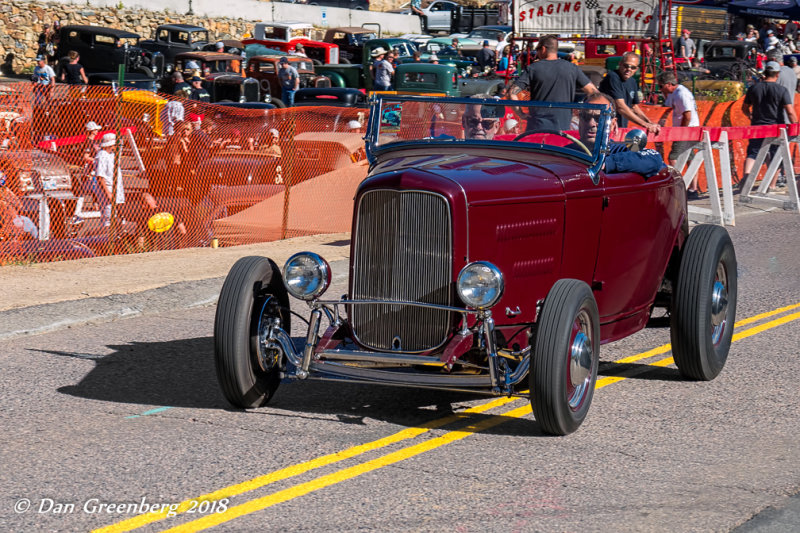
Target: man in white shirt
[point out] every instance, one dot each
(684, 114)
(104, 173)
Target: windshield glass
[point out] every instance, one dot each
(579, 130)
(361, 38)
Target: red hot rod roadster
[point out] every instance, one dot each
(495, 262)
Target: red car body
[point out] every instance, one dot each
(285, 36)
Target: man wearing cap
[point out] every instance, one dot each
(791, 62)
(198, 92)
(486, 57)
(763, 105)
(181, 88)
(91, 146)
(43, 78)
(299, 50)
(289, 80)
(43, 74)
(220, 47)
(104, 173)
(786, 77)
(684, 115)
(382, 70)
(481, 122)
(686, 47)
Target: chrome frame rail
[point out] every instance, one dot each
(324, 365)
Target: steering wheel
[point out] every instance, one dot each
(554, 132)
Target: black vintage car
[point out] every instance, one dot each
(730, 59)
(173, 39)
(331, 96)
(221, 73)
(103, 50)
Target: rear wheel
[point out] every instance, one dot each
(253, 298)
(566, 355)
(704, 303)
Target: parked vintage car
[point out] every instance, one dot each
(732, 59)
(173, 39)
(105, 49)
(332, 96)
(350, 41)
(265, 70)
(285, 36)
(358, 75)
(494, 265)
(429, 78)
(222, 76)
(437, 14)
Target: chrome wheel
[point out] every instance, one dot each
(565, 357)
(579, 371)
(704, 303)
(719, 305)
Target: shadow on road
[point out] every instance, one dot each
(181, 373)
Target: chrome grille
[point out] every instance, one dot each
(402, 251)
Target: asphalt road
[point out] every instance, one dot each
(129, 412)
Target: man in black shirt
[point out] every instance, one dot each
(181, 88)
(621, 85)
(198, 92)
(486, 57)
(764, 104)
(550, 79)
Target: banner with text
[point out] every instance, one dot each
(586, 17)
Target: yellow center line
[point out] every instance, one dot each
(295, 470)
(348, 473)
(330, 479)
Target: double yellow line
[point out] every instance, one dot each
(402, 454)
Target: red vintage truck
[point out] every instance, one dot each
(285, 36)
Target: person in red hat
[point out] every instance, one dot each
(686, 47)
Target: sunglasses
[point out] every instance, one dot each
(629, 67)
(486, 123)
(587, 116)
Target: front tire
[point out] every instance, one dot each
(252, 296)
(704, 303)
(566, 356)
(277, 102)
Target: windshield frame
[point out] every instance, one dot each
(594, 162)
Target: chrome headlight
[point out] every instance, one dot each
(480, 285)
(306, 275)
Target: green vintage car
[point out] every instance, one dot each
(357, 75)
(428, 78)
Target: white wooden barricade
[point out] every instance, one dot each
(720, 213)
(783, 157)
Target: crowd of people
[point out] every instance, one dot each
(543, 76)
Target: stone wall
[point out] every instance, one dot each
(22, 22)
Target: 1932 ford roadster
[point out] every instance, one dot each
(496, 265)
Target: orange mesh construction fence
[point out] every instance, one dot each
(89, 171)
(189, 174)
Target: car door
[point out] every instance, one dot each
(638, 216)
(439, 16)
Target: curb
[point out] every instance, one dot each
(47, 318)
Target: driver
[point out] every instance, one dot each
(620, 158)
(481, 121)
